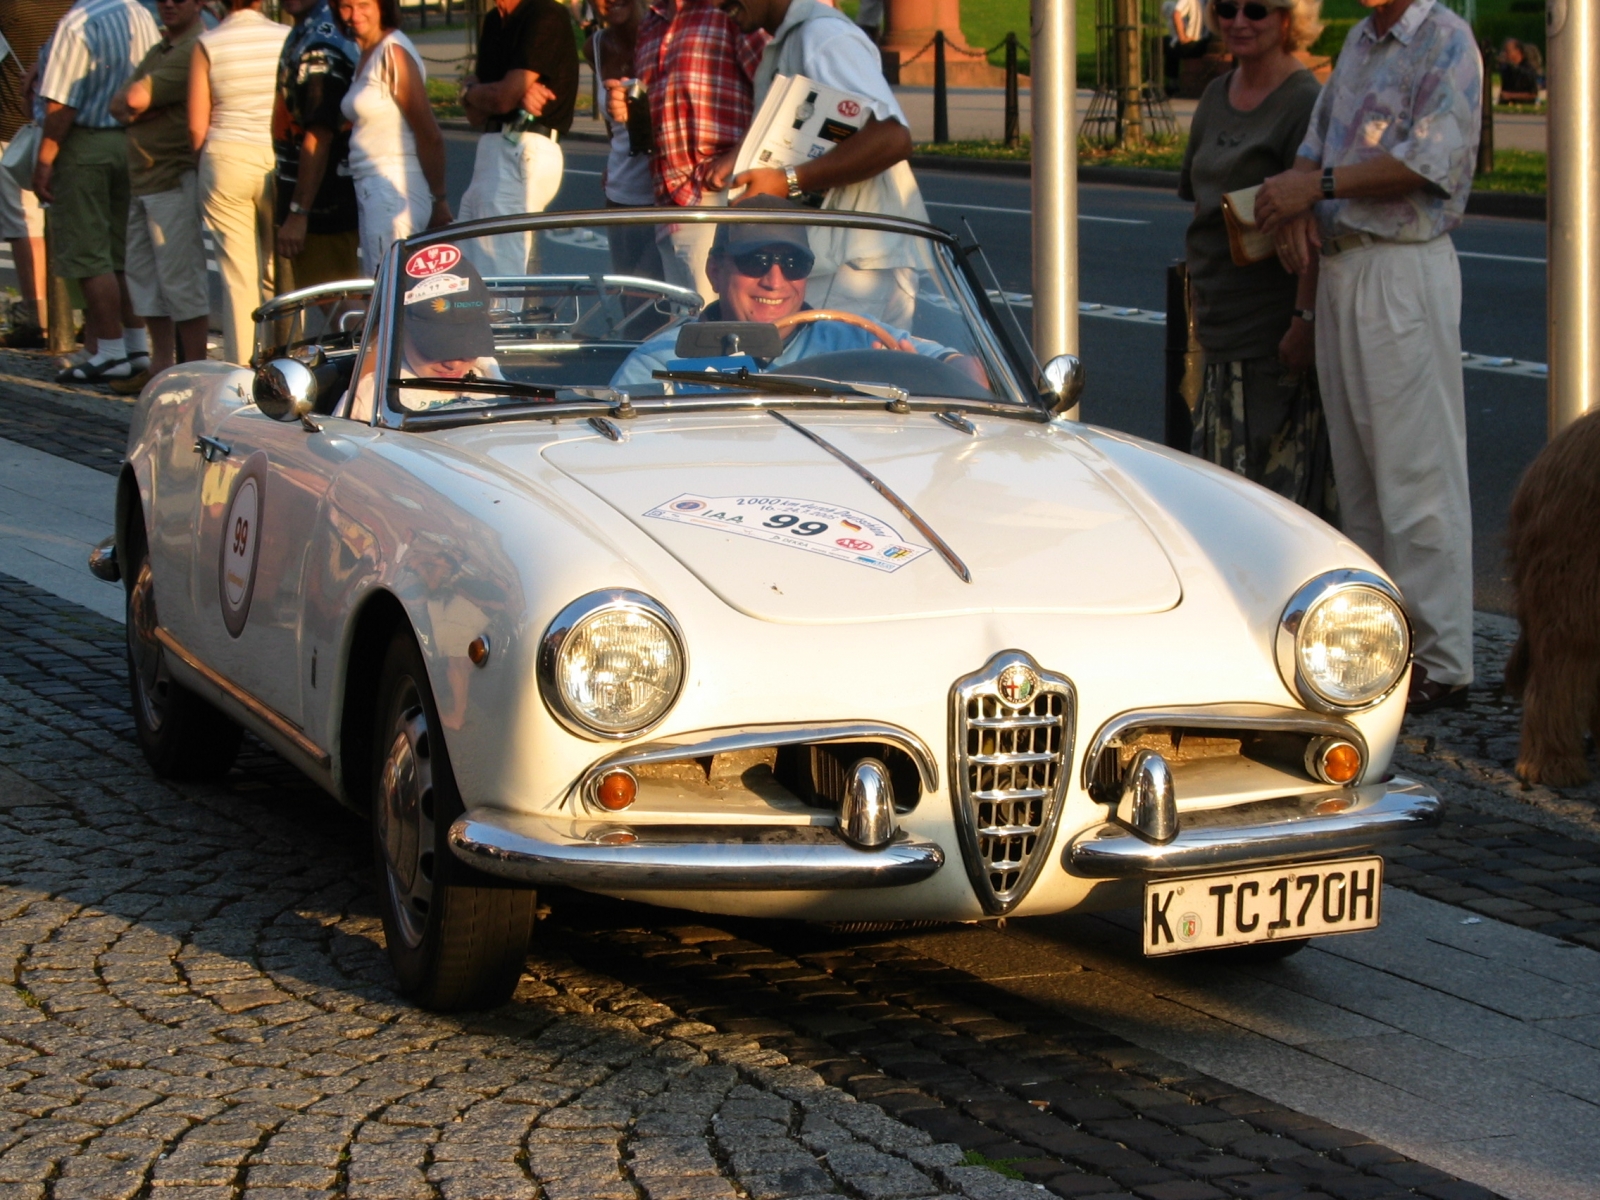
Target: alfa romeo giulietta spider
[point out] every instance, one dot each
(788, 592)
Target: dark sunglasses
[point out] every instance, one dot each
(1227, 10)
(795, 264)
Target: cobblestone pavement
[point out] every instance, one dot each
(199, 1006)
(86, 427)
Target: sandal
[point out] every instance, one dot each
(1426, 695)
(86, 372)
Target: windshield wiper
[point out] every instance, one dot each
(490, 387)
(785, 385)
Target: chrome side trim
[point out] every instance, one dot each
(1287, 829)
(884, 490)
(275, 721)
(609, 855)
(707, 743)
(1311, 593)
(1268, 718)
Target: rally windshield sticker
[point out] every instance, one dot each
(827, 529)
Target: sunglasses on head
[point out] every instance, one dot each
(794, 263)
(1227, 10)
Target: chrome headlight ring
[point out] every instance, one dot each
(572, 618)
(1308, 597)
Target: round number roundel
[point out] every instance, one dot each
(241, 546)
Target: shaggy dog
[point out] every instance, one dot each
(1553, 545)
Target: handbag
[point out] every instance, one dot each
(21, 155)
(1246, 243)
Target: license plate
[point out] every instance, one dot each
(1240, 909)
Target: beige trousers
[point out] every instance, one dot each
(1389, 361)
(236, 198)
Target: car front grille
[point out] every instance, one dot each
(1011, 758)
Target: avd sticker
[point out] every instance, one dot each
(827, 529)
(430, 260)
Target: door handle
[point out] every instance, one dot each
(210, 449)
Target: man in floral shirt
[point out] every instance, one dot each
(697, 69)
(1380, 180)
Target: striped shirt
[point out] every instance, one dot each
(93, 55)
(243, 56)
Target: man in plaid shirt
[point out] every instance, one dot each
(698, 69)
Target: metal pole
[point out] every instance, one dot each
(1012, 119)
(941, 93)
(1574, 217)
(1054, 95)
(1486, 125)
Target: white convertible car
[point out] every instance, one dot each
(795, 598)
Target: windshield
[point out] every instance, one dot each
(792, 303)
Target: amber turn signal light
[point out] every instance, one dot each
(478, 650)
(1333, 760)
(617, 790)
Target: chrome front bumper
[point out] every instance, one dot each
(607, 855)
(1289, 829)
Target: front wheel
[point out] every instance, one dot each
(182, 736)
(453, 946)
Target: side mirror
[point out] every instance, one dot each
(1062, 381)
(286, 390)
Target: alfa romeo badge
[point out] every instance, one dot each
(1017, 685)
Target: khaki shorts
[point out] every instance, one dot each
(89, 217)
(166, 260)
(20, 214)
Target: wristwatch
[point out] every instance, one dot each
(297, 210)
(793, 179)
(1307, 315)
(1327, 183)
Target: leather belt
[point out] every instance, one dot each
(497, 124)
(1351, 241)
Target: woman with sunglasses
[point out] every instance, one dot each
(1259, 414)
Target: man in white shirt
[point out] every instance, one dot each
(1186, 35)
(867, 172)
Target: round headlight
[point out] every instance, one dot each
(1344, 641)
(611, 664)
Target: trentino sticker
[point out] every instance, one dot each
(826, 529)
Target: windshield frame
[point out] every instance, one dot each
(387, 414)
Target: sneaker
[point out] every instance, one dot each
(25, 337)
(132, 385)
(90, 372)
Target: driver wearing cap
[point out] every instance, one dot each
(446, 333)
(759, 274)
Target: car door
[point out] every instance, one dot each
(259, 504)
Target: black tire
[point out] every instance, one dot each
(1260, 952)
(453, 945)
(181, 735)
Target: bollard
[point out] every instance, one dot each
(1012, 117)
(941, 93)
(1185, 360)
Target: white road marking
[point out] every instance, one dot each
(1501, 257)
(1498, 363)
(1027, 212)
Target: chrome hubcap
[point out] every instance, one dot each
(152, 684)
(405, 816)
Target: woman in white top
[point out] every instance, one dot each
(396, 149)
(233, 78)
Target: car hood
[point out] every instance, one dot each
(1037, 527)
